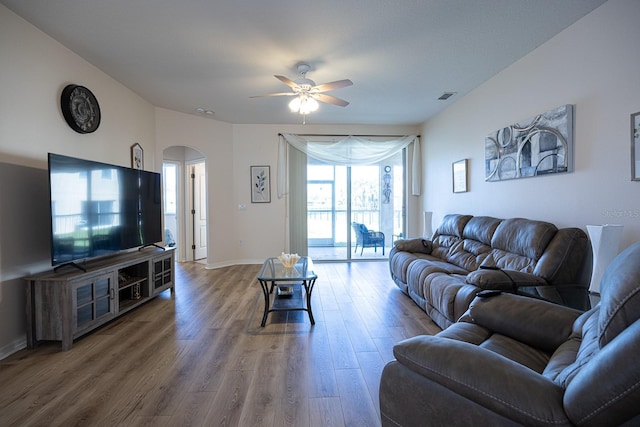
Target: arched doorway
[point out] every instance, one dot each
(185, 199)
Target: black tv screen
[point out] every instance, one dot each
(99, 209)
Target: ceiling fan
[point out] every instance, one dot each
(307, 93)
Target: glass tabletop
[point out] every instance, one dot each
(272, 269)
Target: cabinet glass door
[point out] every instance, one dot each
(93, 301)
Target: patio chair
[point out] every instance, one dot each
(366, 238)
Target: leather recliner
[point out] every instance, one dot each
(514, 360)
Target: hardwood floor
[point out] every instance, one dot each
(199, 357)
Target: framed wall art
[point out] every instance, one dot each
(541, 145)
(137, 156)
(260, 184)
(635, 147)
(459, 173)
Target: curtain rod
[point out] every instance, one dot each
(357, 136)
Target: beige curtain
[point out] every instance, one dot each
(298, 202)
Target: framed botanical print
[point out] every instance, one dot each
(260, 184)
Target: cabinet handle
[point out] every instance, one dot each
(111, 293)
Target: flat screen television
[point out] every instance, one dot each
(99, 209)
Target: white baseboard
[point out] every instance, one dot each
(233, 262)
(12, 347)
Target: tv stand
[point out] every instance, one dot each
(62, 306)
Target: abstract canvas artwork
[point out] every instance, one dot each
(541, 145)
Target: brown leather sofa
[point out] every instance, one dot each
(471, 253)
(514, 360)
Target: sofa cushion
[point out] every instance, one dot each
(453, 225)
(523, 237)
(413, 245)
(448, 234)
(620, 303)
(509, 261)
(481, 229)
(468, 254)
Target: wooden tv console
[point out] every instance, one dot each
(66, 304)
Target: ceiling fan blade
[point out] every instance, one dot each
(330, 99)
(287, 81)
(274, 94)
(326, 87)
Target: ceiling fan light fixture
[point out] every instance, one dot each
(303, 104)
(294, 105)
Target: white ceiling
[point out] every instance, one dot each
(400, 54)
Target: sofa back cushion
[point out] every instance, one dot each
(448, 234)
(470, 252)
(519, 243)
(563, 259)
(601, 382)
(481, 229)
(524, 237)
(620, 294)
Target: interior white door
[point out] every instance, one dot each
(199, 210)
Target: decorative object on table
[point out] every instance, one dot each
(260, 184)
(459, 171)
(137, 156)
(605, 242)
(136, 293)
(288, 260)
(80, 108)
(539, 146)
(635, 147)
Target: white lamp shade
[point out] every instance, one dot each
(605, 242)
(428, 231)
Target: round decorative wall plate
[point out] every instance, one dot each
(80, 108)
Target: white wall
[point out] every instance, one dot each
(594, 64)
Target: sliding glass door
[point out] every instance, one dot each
(354, 212)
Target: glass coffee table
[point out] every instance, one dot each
(288, 284)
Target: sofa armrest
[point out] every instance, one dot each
(504, 279)
(486, 378)
(540, 324)
(414, 245)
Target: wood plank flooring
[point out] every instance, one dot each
(200, 358)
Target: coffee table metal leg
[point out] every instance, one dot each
(308, 287)
(265, 291)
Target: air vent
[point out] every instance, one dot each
(446, 96)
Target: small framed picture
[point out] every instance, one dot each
(635, 147)
(137, 156)
(260, 184)
(460, 176)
